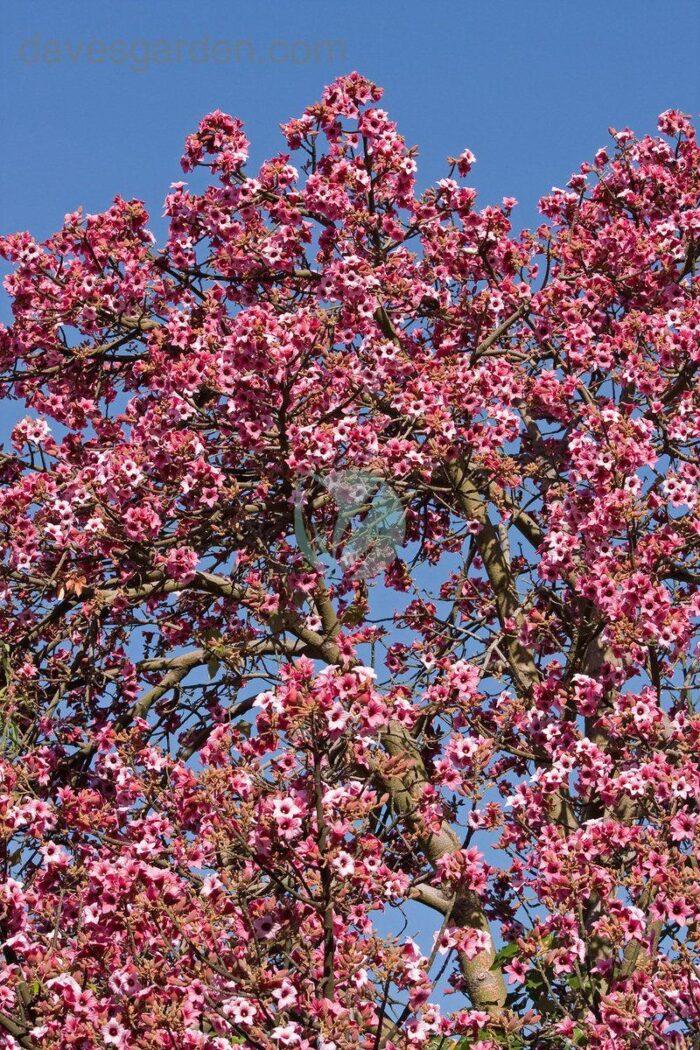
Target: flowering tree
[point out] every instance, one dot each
(448, 802)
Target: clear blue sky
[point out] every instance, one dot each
(97, 99)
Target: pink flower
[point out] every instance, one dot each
(337, 718)
(114, 1034)
(465, 161)
(344, 864)
(240, 1011)
(288, 1034)
(181, 563)
(286, 995)
(516, 971)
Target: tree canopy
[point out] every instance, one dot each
(236, 785)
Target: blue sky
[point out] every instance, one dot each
(97, 99)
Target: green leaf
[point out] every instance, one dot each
(508, 951)
(534, 981)
(9, 737)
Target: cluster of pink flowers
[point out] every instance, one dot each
(227, 783)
